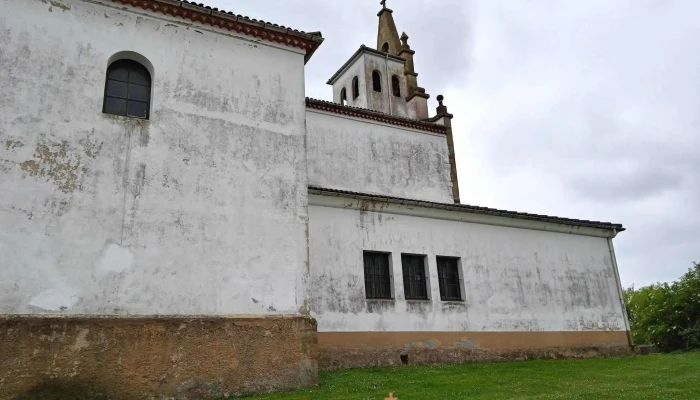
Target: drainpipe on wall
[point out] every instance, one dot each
(388, 86)
(619, 288)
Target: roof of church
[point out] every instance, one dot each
(375, 116)
(227, 20)
(465, 208)
(361, 50)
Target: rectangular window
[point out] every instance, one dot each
(377, 275)
(448, 276)
(414, 283)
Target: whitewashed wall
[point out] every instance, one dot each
(514, 279)
(200, 210)
(385, 101)
(357, 69)
(365, 156)
(362, 67)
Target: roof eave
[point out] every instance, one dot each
(467, 208)
(309, 42)
(327, 106)
(363, 49)
(310, 52)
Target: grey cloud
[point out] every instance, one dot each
(628, 185)
(440, 33)
(585, 109)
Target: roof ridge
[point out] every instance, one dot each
(366, 113)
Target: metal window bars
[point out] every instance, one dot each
(377, 276)
(448, 278)
(414, 281)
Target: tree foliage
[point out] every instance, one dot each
(667, 314)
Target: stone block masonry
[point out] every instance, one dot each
(154, 357)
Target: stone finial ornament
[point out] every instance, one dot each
(442, 109)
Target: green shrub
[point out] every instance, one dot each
(667, 315)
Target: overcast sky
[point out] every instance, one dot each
(585, 109)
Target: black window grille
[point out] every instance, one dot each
(414, 283)
(377, 81)
(377, 275)
(448, 277)
(396, 86)
(127, 89)
(355, 88)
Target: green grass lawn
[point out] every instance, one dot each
(670, 376)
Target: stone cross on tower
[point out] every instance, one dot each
(383, 3)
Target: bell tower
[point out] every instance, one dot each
(388, 35)
(384, 79)
(388, 41)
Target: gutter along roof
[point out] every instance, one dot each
(464, 208)
(227, 20)
(375, 116)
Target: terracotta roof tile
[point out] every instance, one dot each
(198, 12)
(375, 116)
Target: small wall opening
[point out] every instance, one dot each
(376, 81)
(396, 86)
(385, 47)
(344, 97)
(404, 359)
(355, 88)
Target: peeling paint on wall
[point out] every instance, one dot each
(503, 271)
(195, 211)
(53, 162)
(115, 259)
(363, 156)
(58, 298)
(54, 3)
(13, 144)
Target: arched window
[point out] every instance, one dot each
(343, 97)
(355, 88)
(385, 47)
(376, 81)
(396, 86)
(127, 89)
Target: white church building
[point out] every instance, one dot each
(178, 220)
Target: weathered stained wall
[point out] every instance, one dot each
(356, 69)
(201, 210)
(365, 156)
(385, 101)
(515, 280)
(144, 358)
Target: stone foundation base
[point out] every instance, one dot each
(368, 349)
(154, 357)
